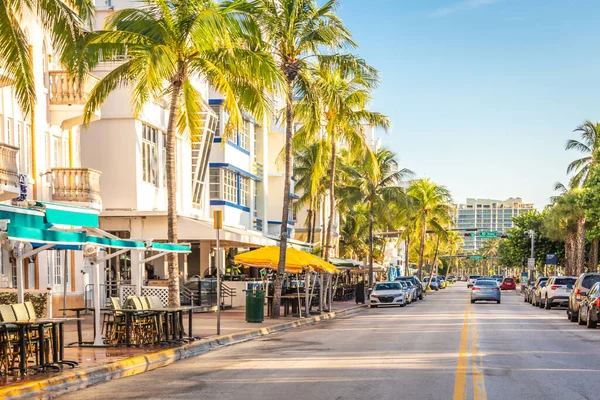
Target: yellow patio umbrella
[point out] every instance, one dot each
(295, 260)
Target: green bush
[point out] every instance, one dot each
(39, 300)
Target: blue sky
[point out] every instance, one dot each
(483, 94)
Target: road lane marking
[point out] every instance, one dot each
(479, 392)
(460, 384)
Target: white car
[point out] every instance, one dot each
(388, 294)
(472, 279)
(556, 291)
(411, 291)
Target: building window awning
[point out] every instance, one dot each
(170, 247)
(58, 214)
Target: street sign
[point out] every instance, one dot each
(531, 263)
(476, 258)
(551, 259)
(488, 234)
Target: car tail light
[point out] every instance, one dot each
(475, 288)
(578, 294)
(554, 287)
(598, 302)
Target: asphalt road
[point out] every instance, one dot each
(439, 348)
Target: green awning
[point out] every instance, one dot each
(22, 216)
(44, 236)
(116, 243)
(344, 263)
(59, 214)
(170, 247)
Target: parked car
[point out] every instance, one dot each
(412, 289)
(407, 291)
(452, 278)
(415, 281)
(589, 308)
(537, 292)
(580, 291)
(528, 291)
(434, 284)
(535, 285)
(388, 294)
(442, 282)
(508, 284)
(472, 279)
(485, 289)
(557, 291)
(499, 281)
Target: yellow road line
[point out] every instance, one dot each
(460, 384)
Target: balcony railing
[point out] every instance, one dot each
(64, 89)
(76, 184)
(9, 172)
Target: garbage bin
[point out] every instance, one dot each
(255, 305)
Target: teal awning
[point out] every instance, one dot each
(170, 247)
(116, 243)
(59, 214)
(22, 216)
(39, 237)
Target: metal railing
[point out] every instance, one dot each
(9, 172)
(107, 290)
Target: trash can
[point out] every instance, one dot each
(255, 306)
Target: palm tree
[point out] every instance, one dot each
(589, 146)
(454, 242)
(375, 181)
(489, 249)
(169, 44)
(296, 31)
(309, 171)
(353, 233)
(432, 210)
(336, 96)
(61, 20)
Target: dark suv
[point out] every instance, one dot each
(580, 291)
(415, 281)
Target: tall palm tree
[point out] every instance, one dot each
(297, 30)
(61, 20)
(589, 145)
(432, 210)
(489, 249)
(375, 181)
(169, 44)
(337, 96)
(309, 171)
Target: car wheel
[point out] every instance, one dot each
(540, 304)
(372, 306)
(579, 320)
(591, 324)
(472, 301)
(498, 301)
(548, 304)
(525, 299)
(573, 316)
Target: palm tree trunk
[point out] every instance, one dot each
(370, 245)
(580, 245)
(569, 253)
(437, 247)
(310, 213)
(331, 198)
(172, 258)
(289, 123)
(314, 221)
(594, 255)
(406, 257)
(422, 246)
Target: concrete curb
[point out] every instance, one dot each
(77, 379)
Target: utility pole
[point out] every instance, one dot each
(532, 234)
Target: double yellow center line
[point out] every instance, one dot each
(460, 385)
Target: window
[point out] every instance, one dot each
(255, 144)
(8, 138)
(58, 260)
(244, 191)
(149, 154)
(217, 111)
(243, 135)
(214, 183)
(230, 189)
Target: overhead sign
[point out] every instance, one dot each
(488, 234)
(551, 259)
(476, 258)
(531, 263)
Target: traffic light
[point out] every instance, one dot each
(504, 236)
(471, 234)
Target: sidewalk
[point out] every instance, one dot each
(204, 326)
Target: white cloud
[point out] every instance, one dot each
(460, 6)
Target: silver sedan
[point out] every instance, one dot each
(485, 290)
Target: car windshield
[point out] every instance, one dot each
(388, 286)
(485, 282)
(509, 280)
(589, 281)
(564, 281)
(474, 276)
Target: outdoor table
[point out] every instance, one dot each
(287, 300)
(176, 313)
(57, 342)
(78, 311)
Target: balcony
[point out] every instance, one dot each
(9, 172)
(67, 98)
(76, 185)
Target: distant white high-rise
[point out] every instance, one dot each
(487, 215)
